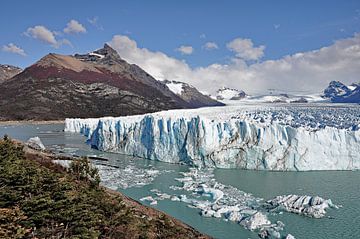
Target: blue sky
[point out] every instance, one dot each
(282, 27)
(285, 27)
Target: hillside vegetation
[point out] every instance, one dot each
(40, 199)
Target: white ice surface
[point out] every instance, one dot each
(263, 137)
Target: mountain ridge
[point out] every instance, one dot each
(337, 92)
(8, 71)
(95, 84)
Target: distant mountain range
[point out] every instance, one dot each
(96, 84)
(337, 92)
(8, 71)
(190, 94)
(101, 83)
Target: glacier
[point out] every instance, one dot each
(279, 137)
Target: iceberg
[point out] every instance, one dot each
(265, 137)
(303, 205)
(35, 143)
(232, 204)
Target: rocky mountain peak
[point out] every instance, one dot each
(335, 89)
(338, 92)
(106, 56)
(108, 52)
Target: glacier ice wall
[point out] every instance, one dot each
(229, 142)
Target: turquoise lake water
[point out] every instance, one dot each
(340, 186)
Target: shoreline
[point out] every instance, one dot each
(31, 122)
(136, 206)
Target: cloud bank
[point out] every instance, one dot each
(244, 49)
(74, 27)
(43, 34)
(12, 48)
(306, 71)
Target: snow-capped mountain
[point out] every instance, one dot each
(225, 93)
(190, 94)
(337, 92)
(336, 89)
(280, 98)
(8, 71)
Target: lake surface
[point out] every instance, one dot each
(340, 186)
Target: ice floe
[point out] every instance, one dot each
(303, 205)
(217, 200)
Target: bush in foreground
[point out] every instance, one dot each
(37, 201)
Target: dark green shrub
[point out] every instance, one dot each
(83, 170)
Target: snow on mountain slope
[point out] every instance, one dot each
(190, 94)
(177, 88)
(230, 94)
(337, 92)
(267, 137)
(352, 86)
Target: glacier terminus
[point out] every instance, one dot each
(278, 137)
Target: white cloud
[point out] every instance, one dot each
(276, 26)
(11, 47)
(244, 49)
(202, 36)
(307, 71)
(45, 35)
(185, 50)
(157, 63)
(210, 46)
(64, 42)
(42, 33)
(95, 22)
(74, 27)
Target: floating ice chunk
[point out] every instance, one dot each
(185, 179)
(256, 221)
(149, 199)
(174, 198)
(303, 205)
(35, 143)
(234, 216)
(289, 236)
(162, 196)
(152, 172)
(216, 194)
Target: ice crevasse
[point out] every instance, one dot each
(275, 139)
